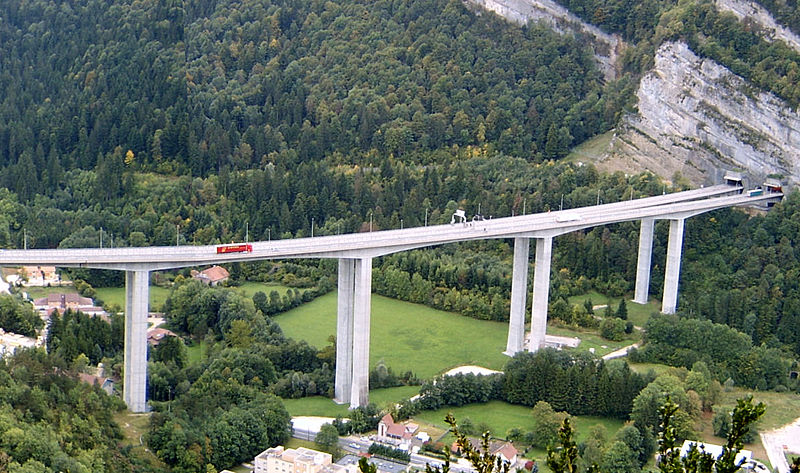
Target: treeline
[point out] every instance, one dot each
(386, 451)
(224, 409)
(579, 384)
(49, 421)
(74, 333)
(728, 353)
(17, 316)
(744, 272)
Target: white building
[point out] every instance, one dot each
(10, 342)
(296, 460)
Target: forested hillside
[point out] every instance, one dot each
(236, 85)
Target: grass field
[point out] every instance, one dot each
(116, 295)
(325, 407)
(134, 426)
(407, 336)
(502, 417)
(249, 288)
(38, 292)
(637, 313)
(591, 339)
(195, 351)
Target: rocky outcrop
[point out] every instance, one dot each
(696, 117)
(607, 48)
(753, 13)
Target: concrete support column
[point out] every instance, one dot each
(136, 305)
(359, 394)
(541, 291)
(519, 289)
(672, 271)
(344, 331)
(645, 258)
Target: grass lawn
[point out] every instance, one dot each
(782, 408)
(37, 292)
(591, 339)
(407, 336)
(637, 313)
(325, 407)
(315, 406)
(195, 352)
(249, 288)
(116, 295)
(502, 417)
(134, 426)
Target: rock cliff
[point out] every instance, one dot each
(606, 47)
(696, 117)
(754, 13)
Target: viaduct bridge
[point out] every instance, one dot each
(356, 251)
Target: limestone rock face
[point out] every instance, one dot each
(698, 118)
(752, 12)
(606, 47)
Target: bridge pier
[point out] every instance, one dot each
(136, 304)
(672, 271)
(519, 288)
(352, 332)
(645, 259)
(344, 331)
(541, 292)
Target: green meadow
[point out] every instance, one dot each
(116, 295)
(407, 336)
(249, 288)
(325, 407)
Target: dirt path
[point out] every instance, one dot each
(780, 441)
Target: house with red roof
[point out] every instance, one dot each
(212, 276)
(505, 450)
(106, 384)
(395, 433)
(156, 334)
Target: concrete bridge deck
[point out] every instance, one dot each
(355, 253)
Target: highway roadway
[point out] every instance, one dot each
(371, 244)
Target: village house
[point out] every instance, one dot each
(61, 302)
(504, 450)
(395, 433)
(156, 334)
(106, 384)
(212, 276)
(11, 342)
(39, 276)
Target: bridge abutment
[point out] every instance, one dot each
(672, 271)
(519, 289)
(136, 305)
(645, 260)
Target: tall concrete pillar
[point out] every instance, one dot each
(136, 304)
(344, 331)
(672, 271)
(359, 394)
(541, 291)
(519, 289)
(645, 258)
